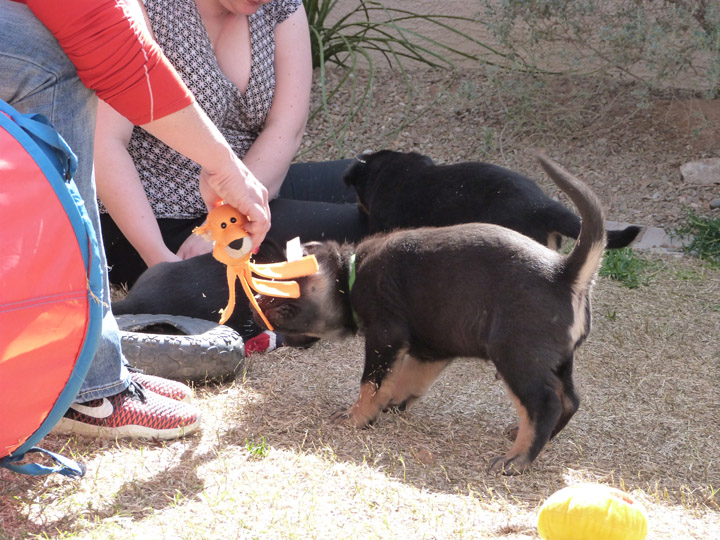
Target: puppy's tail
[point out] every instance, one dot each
(621, 238)
(584, 260)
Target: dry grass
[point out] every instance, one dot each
(268, 464)
(648, 423)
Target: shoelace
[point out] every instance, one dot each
(135, 391)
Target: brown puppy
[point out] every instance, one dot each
(399, 190)
(425, 296)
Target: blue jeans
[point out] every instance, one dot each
(36, 76)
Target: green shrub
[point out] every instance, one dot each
(625, 266)
(704, 237)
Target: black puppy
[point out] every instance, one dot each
(195, 287)
(198, 288)
(407, 190)
(425, 296)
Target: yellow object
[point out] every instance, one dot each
(225, 226)
(592, 512)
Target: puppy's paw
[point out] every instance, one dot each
(509, 466)
(349, 417)
(340, 417)
(299, 341)
(400, 407)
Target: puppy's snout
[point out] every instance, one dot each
(268, 302)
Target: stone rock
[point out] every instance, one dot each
(657, 239)
(653, 238)
(715, 203)
(703, 171)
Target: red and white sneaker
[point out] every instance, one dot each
(133, 413)
(164, 387)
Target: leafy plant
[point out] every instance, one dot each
(704, 237)
(371, 31)
(625, 266)
(257, 449)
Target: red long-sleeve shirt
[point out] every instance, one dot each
(115, 56)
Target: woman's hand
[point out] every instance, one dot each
(190, 132)
(239, 188)
(165, 256)
(194, 245)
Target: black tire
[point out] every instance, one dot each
(181, 348)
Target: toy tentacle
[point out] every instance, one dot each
(244, 278)
(287, 269)
(280, 289)
(231, 274)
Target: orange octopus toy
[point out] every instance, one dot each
(233, 247)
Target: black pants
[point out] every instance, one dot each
(313, 204)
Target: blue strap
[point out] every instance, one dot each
(39, 127)
(64, 466)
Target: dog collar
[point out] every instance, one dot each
(351, 272)
(351, 283)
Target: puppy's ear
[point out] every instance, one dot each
(309, 248)
(428, 161)
(351, 174)
(270, 251)
(355, 172)
(416, 158)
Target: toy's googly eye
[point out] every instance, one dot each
(223, 225)
(233, 220)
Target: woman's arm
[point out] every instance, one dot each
(190, 132)
(120, 189)
(116, 56)
(272, 152)
(223, 176)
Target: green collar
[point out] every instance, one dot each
(351, 283)
(351, 272)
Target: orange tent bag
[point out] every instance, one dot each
(50, 288)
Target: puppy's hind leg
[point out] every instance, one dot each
(539, 409)
(566, 392)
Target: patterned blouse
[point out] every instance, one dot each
(169, 178)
